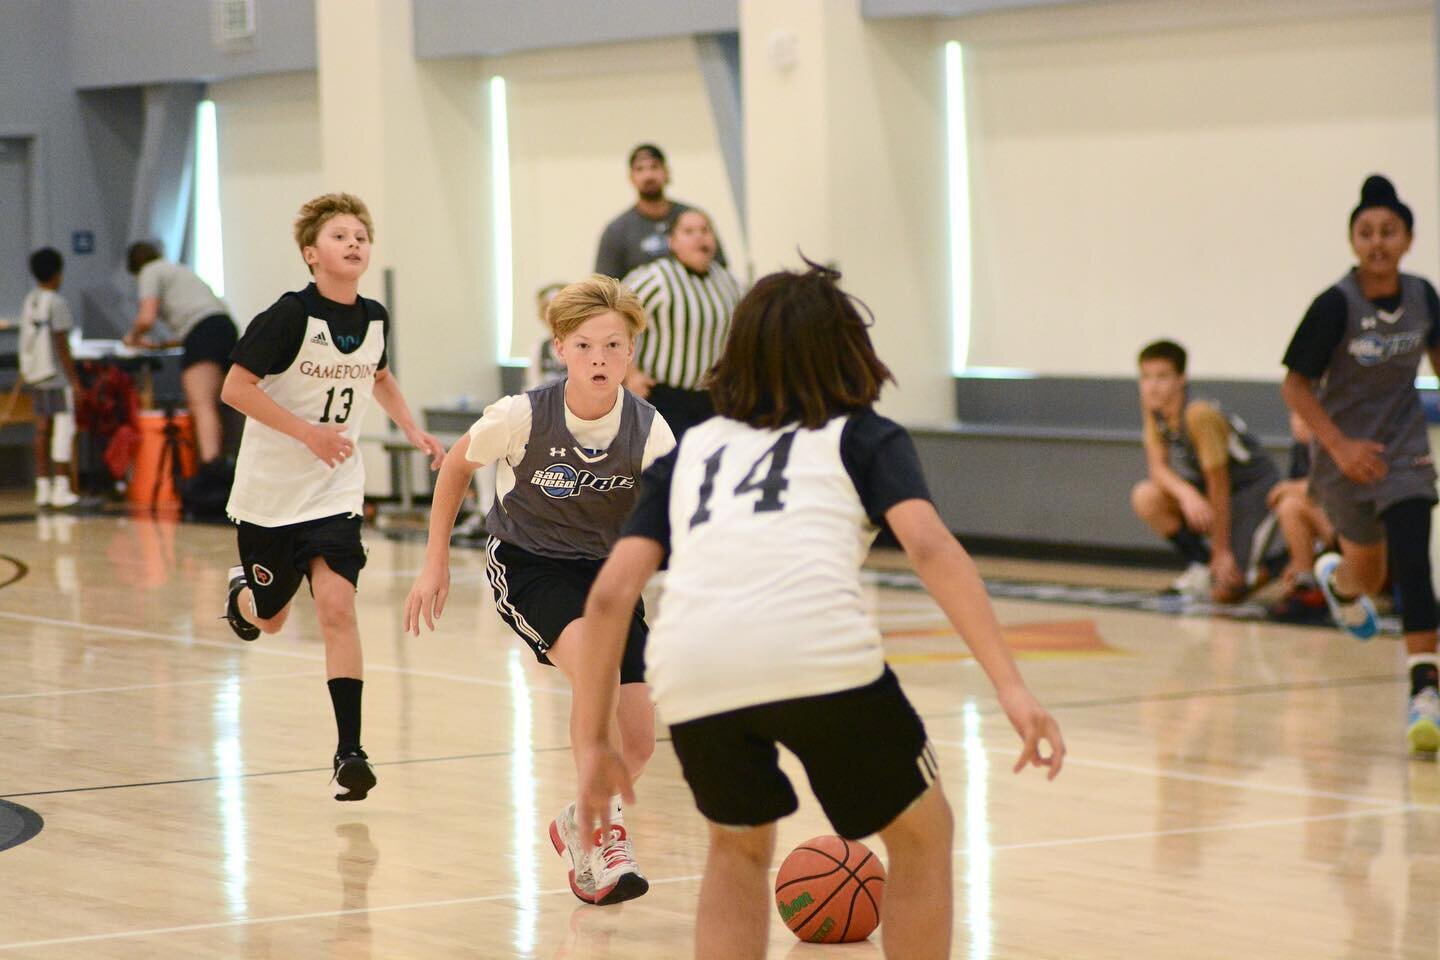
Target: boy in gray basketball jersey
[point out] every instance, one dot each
(1207, 483)
(570, 455)
(1362, 341)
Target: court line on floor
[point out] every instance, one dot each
(491, 755)
(691, 878)
(22, 569)
(992, 708)
(1162, 773)
(259, 647)
(153, 686)
(1208, 828)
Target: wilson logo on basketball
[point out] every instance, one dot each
(262, 576)
(788, 910)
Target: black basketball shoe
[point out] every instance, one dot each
(243, 628)
(353, 777)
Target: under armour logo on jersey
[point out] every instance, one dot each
(557, 451)
(320, 339)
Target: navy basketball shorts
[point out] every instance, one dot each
(540, 596)
(210, 341)
(864, 750)
(277, 559)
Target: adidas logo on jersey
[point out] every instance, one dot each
(320, 339)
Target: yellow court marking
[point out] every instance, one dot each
(1030, 641)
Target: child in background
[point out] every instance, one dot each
(48, 370)
(545, 365)
(1208, 477)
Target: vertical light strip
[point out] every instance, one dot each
(230, 794)
(978, 853)
(500, 218)
(957, 177)
(523, 801)
(209, 242)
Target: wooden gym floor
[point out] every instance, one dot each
(1233, 789)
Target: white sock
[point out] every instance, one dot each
(1415, 659)
(42, 490)
(60, 486)
(616, 814)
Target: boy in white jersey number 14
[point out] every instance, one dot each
(570, 455)
(304, 374)
(764, 637)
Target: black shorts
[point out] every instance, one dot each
(681, 408)
(540, 596)
(210, 341)
(864, 750)
(276, 559)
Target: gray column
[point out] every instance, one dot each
(720, 66)
(164, 174)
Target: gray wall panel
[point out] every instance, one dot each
(1105, 403)
(82, 177)
(134, 42)
(1037, 490)
(467, 28)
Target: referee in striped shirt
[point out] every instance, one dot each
(689, 299)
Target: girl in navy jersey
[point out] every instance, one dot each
(1352, 366)
(767, 512)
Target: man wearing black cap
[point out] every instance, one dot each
(642, 233)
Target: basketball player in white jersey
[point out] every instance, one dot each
(764, 637)
(304, 374)
(570, 454)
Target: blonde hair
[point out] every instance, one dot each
(316, 212)
(591, 297)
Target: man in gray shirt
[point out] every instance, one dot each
(642, 233)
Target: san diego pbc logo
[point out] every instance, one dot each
(1368, 349)
(560, 480)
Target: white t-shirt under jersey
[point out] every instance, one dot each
(503, 431)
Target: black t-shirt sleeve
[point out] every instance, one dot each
(272, 341)
(1432, 339)
(384, 316)
(651, 516)
(882, 462)
(1319, 333)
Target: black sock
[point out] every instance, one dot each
(1423, 674)
(345, 697)
(1191, 545)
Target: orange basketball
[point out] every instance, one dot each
(829, 890)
